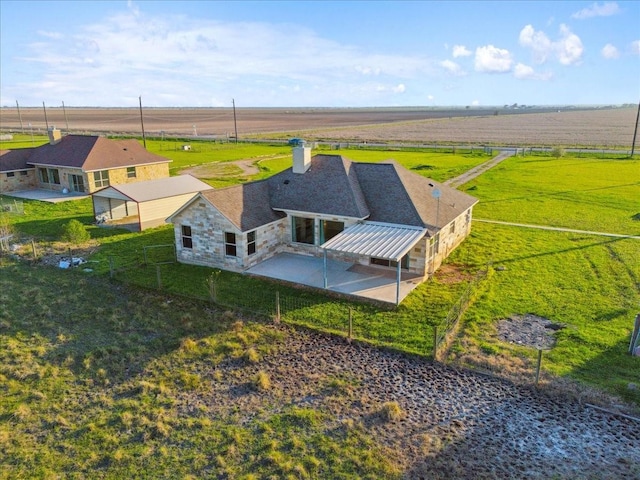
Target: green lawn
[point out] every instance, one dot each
(588, 283)
(101, 381)
(579, 193)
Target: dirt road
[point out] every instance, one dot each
(479, 170)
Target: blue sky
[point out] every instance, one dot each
(318, 53)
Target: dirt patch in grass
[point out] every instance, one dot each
(528, 330)
(226, 169)
(448, 274)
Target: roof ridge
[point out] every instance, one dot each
(354, 183)
(394, 164)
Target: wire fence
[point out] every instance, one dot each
(445, 332)
(156, 268)
(11, 205)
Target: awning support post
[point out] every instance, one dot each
(398, 285)
(324, 268)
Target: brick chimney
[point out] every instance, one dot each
(54, 135)
(301, 159)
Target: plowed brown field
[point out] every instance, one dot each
(606, 127)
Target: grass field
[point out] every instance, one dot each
(100, 383)
(104, 379)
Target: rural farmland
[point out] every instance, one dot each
(568, 127)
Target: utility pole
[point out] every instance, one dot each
(20, 117)
(144, 140)
(235, 124)
(635, 132)
(45, 116)
(65, 116)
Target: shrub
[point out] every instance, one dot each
(75, 232)
(391, 411)
(262, 382)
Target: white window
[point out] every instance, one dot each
(251, 243)
(101, 178)
(230, 244)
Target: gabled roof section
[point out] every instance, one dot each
(329, 187)
(397, 195)
(436, 209)
(156, 189)
(12, 160)
(246, 205)
(92, 153)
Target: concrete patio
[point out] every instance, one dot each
(52, 196)
(377, 283)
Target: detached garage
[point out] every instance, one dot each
(143, 205)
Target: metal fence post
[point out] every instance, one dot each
(350, 335)
(277, 307)
(538, 365)
(435, 342)
(158, 276)
(111, 272)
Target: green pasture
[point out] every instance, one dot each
(101, 381)
(580, 193)
(587, 283)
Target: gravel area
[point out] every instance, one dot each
(455, 424)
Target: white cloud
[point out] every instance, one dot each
(609, 52)
(538, 42)
(207, 60)
(52, 35)
(452, 67)
(475, 103)
(491, 59)
(596, 10)
(461, 51)
(567, 49)
(525, 72)
(635, 47)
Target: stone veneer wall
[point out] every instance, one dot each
(21, 180)
(208, 227)
(449, 240)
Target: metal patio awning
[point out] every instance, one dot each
(375, 239)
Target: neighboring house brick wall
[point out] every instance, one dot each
(17, 180)
(118, 176)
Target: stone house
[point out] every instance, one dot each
(378, 214)
(79, 163)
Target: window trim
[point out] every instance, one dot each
(187, 236)
(230, 248)
(251, 242)
(294, 230)
(101, 178)
(131, 172)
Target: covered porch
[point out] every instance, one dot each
(370, 282)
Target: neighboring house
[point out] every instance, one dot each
(143, 205)
(15, 173)
(368, 213)
(79, 163)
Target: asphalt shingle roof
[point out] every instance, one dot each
(11, 160)
(330, 187)
(92, 153)
(246, 205)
